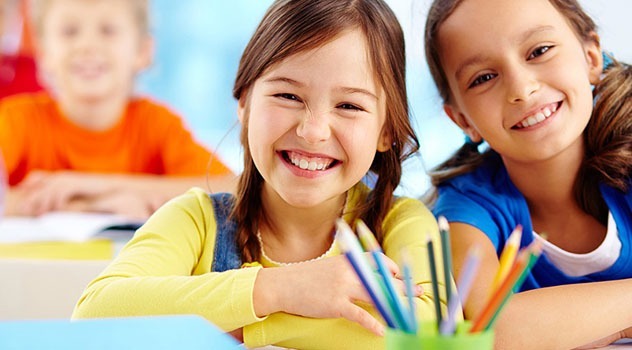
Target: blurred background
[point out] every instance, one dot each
(199, 43)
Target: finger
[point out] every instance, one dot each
(418, 290)
(391, 265)
(357, 314)
(33, 180)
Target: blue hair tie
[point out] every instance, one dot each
(607, 59)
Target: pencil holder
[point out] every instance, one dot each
(429, 338)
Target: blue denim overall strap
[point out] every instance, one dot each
(225, 255)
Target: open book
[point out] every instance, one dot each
(63, 226)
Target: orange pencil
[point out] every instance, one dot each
(507, 257)
(483, 318)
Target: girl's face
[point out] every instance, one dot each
(315, 121)
(92, 50)
(519, 76)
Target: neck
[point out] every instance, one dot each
(296, 234)
(93, 114)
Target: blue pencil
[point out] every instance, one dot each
(370, 244)
(352, 250)
(408, 282)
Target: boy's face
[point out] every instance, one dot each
(92, 50)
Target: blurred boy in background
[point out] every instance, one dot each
(89, 144)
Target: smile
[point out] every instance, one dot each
(305, 162)
(538, 117)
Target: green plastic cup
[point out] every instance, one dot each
(429, 338)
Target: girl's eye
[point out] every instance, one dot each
(350, 107)
(287, 96)
(481, 79)
(538, 52)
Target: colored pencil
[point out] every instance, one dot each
(507, 257)
(408, 282)
(535, 249)
(505, 288)
(350, 246)
(370, 244)
(446, 251)
(434, 280)
(464, 285)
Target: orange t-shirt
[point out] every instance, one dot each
(148, 139)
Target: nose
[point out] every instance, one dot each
(521, 83)
(314, 126)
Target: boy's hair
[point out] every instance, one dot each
(39, 8)
(293, 26)
(608, 135)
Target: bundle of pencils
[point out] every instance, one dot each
(514, 267)
(377, 281)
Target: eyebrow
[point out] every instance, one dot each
(276, 80)
(480, 58)
(344, 89)
(352, 90)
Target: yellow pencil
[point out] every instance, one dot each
(508, 256)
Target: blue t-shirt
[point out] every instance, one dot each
(488, 200)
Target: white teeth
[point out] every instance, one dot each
(532, 121)
(309, 165)
(538, 117)
(547, 112)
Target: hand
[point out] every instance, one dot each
(131, 205)
(326, 288)
(42, 191)
(626, 333)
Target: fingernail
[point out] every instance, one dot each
(380, 331)
(419, 289)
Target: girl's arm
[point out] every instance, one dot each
(165, 268)
(561, 317)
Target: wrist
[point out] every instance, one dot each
(265, 293)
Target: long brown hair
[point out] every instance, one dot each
(293, 26)
(608, 135)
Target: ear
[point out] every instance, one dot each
(385, 141)
(462, 122)
(145, 55)
(594, 58)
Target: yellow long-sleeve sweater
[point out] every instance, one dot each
(166, 269)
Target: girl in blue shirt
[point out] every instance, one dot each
(528, 78)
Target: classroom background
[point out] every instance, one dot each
(199, 43)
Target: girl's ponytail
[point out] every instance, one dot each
(608, 138)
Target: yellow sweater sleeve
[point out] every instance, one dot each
(165, 269)
(406, 225)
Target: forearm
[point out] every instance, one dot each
(170, 186)
(222, 298)
(564, 317)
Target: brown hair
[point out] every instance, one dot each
(293, 26)
(608, 135)
(39, 8)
